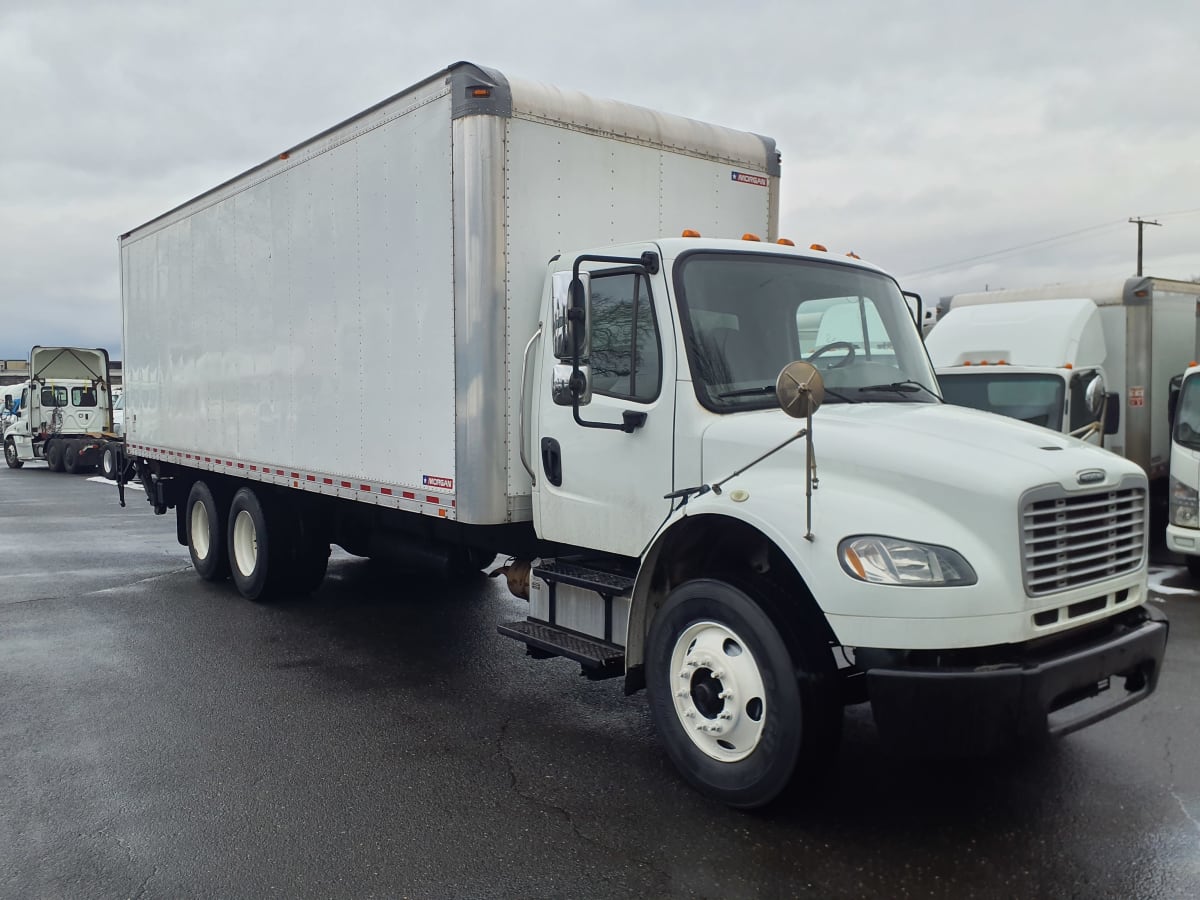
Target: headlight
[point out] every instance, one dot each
(1184, 505)
(887, 560)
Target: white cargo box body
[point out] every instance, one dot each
(350, 316)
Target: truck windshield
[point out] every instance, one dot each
(1028, 396)
(1187, 414)
(747, 315)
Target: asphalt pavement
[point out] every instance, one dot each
(161, 737)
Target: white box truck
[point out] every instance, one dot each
(1183, 523)
(1091, 358)
(62, 414)
(452, 323)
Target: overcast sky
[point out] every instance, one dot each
(928, 137)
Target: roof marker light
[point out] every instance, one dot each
(690, 232)
(821, 247)
(787, 242)
(750, 237)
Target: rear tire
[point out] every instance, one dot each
(10, 454)
(740, 714)
(54, 456)
(70, 458)
(256, 545)
(205, 523)
(108, 462)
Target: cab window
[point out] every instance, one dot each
(626, 356)
(54, 396)
(83, 396)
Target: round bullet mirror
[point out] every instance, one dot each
(799, 389)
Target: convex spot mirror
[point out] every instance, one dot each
(571, 310)
(799, 389)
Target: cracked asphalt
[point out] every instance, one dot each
(161, 737)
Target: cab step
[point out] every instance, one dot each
(597, 658)
(603, 581)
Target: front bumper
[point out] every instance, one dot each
(1185, 541)
(1024, 696)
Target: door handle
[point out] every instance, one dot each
(552, 461)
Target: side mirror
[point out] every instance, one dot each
(571, 325)
(1173, 390)
(1112, 413)
(566, 391)
(799, 389)
(1094, 395)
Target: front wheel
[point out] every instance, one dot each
(10, 454)
(739, 713)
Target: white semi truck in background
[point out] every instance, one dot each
(1091, 358)
(470, 282)
(62, 414)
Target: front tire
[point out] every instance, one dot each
(10, 454)
(739, 713)
(205, 520)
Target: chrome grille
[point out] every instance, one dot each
(1068, 540)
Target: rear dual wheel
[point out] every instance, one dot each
(54, 456)
(272, 550)
(205, 521)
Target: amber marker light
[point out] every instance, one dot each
(750, 237)
(481, 93)
(787, 242)
(819, 247)
(690, 232)
(855, 563)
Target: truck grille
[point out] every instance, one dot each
(1068, 540)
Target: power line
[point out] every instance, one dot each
(1038, 243)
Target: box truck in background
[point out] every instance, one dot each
(471, 281)
(63, 414)
(1051, 355)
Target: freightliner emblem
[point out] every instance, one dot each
(1090, 476)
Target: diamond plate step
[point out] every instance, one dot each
(598, 659)
(611, 584)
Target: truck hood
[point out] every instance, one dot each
(919, 447)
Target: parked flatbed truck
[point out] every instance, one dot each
(470, 282)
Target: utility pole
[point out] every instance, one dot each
(1140, 222)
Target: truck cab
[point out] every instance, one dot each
(658, 444)
(64, 411)
(1183, 526)
(1040, 361)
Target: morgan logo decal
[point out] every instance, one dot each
(747, 178)
(434, 481)
(1090, 476)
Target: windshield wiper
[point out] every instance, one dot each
(900, 387)
(748, 392)
(770, 389)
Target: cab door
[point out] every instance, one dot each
(601, 487)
